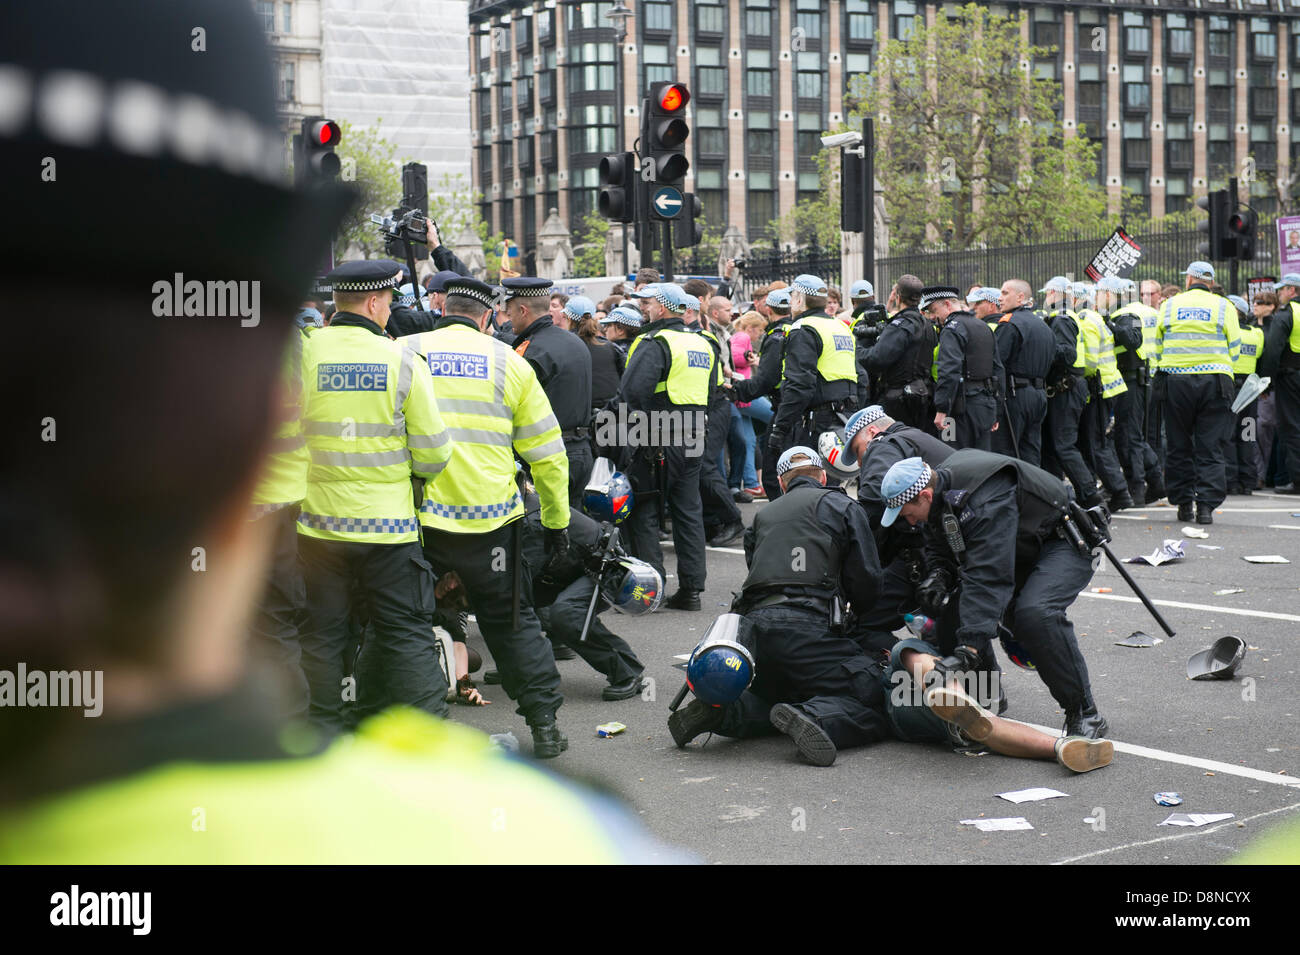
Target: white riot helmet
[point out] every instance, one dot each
(831, 448)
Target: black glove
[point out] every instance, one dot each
(964, 659)
(934, 591)
(556, 542)
(775, 443)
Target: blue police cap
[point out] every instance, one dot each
(1057, 283)
(778, 298)
(623, 315)
(1291, 278)
(857, 421)
(862, 289)
(578, 306)
(809, 284)
(903, 482)
(365, 275)
(1113, 283)
(1240, 304)
(692, 303)
(985, 293)
(1200, 270)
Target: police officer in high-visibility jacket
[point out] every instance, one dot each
(1197, 340)
(1281, 362)
(819, 377)
(1240, 448)
(1067, 393)
(1105, 384)
(281, 488)
(371, 423)
(473, 514)
(1134, 326)
(669, 369)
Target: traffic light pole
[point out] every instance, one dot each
(666, 255)
(869, 197)
(1232, 188)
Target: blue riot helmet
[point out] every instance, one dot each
(633, 587)
(721, 667)
(610, 501)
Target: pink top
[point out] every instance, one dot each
(739, 345)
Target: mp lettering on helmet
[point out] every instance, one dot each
(698, 359)
(1192, 315)
(352, 377)
(843, 343)
(450, 364)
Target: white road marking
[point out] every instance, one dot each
(1213, 765)
(1229, 823)
(1265, 614)
(1284, 527)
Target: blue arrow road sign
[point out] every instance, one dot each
(667, 202)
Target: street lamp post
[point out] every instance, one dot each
(620, 15)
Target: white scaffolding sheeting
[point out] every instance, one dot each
(407, 62)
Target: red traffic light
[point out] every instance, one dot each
(674, 97)
(325, 132)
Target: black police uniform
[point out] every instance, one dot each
(899, 365)
(900, 546)
(800, 658)
(809, 404)
(1015, 567)
(1282, 364)
(1135, 457)
(970, 379)
(766, 380)
(1067, 395)
(563, 365)
(680, 482)
(563, 592)
(1027, 349)
(867, 322)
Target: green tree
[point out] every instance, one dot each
(589, 245)
(814, 221)
(967, 139)
(370, 161)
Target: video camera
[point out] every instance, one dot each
(405, 226)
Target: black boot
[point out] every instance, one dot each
(728, 535)
(548, 741)
(1204, 513)
(684, 600)
(623, 691)
(1186, 512)
(1084, 720)
(688, 722)
(1155, 490)
(1120, 500)
(810, 739)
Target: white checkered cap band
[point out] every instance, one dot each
(865, 417)
(484, 296)
(928, 300)
(908, 493)
(529, 292)
(668, 300)
(810, 285)
(787, 461)
(372, 285)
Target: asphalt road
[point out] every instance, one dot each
(1225, 746)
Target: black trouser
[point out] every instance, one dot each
(1240, 447)
(578, 451)
(275, 626)
(1037, 618)
(716, 501)
(641, 530)
(399, 662)
(1155, 431)
(1197, 410)
(1096, 447)
(917, 411)
(1061, 455)
(973, 425)
(1135, 455)
(605, 651)
(523, 657)
(1287, 388)
(825, 675)
(769, 457)
(1025, 411)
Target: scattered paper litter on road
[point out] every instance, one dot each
(998, 825)
(1266, 559)
(1230, 590)
(1196, 532)
(1170, 550)
(1030, 795)
(1139, 639)
(1209, 547)
(1196, 819)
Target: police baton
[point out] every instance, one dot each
(517, 575)
(608, 555)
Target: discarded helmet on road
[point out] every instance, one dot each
(633, 587)
(721, 666)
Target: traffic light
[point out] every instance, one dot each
(687, 229)
(1243, 224)
(664, 131)
(618, 182)
(1222, 243)
(314, 158)
(853, 200)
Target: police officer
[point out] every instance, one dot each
(621, 326)
(1027, 349)
(983, 304)
(990, 524)
(866, 318)
(766, 380)
(669, 369)
(1242, 455)
(819, 377)
(1281, 362)
(563, 366)
(472, 513)
(970, 374)
(1067, 394)
(371, 423)
(1197, 340)
(563, 593)
(1133, 325)
(812, 682)
(1105, 383)
(902, 357)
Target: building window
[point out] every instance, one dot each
(862, 26)
(760, 143)
(708, 186)
(1137, 96)
(904, 19)
(1220, 43)
(856, 63)
(1175, 75)
(811, 25)
(591, 16)
(711, 80)
(266, 13)
(809, 85)
(1220, 99)
(758, 23)
(711, 137)
(286, 18)
(1180, 98)
(758, 82)
(710, 19)
(1137, 35)
(762, 211)
(543, 19)
(1090, 95)
(658, 16)
(1182, 42)
(1265, 45)
(286, 82)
